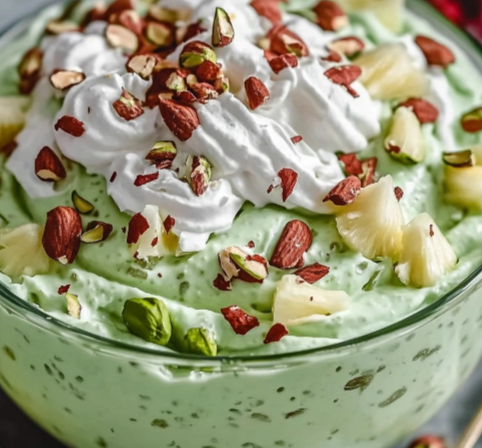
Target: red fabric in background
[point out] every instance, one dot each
(465, 13)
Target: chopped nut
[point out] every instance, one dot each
(345, 192)
(241, 322)
(330, 16)
(144, 179)
(119, 36)
(435, 53)
(74, 308)
(142, 64)
(162, 154)
(347, 46)
(82, 205)
(279, 63)
(30, 69)
(269, 9)
(295, 240)
(472, 121)
(276, 333)
(461, 159)
(345, 76)
(128, 107)
(256, 92)
(65, 79)
(285, 41)
(313, 273)
(208, 72)
(182, 120)
(198, 174)
(160, 34)
(195, 53)
(425, 111)
(70, 125)
(223, 30)
(56, 27)
(48, 166)
(289, 179)
(97, 231)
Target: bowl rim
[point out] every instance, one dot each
(48, 322)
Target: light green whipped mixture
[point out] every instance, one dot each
(105, 275)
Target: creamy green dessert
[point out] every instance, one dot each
(196, 221)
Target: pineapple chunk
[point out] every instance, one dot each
(389, 73)
(22, 253)
(389, 12)
(297, 302)
(372, 224)
(426, 255)
(155, 242)
(12, 117)
(405, 140)
(463, 184)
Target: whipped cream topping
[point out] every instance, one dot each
(246, 148)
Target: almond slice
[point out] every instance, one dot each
(350, 46)
(48, 166)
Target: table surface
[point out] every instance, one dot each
(17, 431)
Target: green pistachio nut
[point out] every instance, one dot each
(199, 341)
(162, 151)
(223, 30)
(149, 319)
(198, 174)
(195, 53)
(461, 159)
(255, 266)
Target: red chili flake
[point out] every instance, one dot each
(332, 56)
(345, 76)
(241, 322)
(311, 299)
(270, 189)
(137, 227)
(251, 245)
(353, 166)
(124, 229)
(398, 193)
(432, 233)
(155, 242)
(221, 283)
(64, 289)
(169, 223)
(393, 148)
(159, 275)
(70, 125)
(113, 177)
(296, 139)
(144, 179)
(136, 255)
(289, 178)
(276, 333)
(311, 274)
(279, 63)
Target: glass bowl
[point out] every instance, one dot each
(369, 392)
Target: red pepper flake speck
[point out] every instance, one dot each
(398, 193)
(241, 322)
(64, 289)
(311, 274)
(159, 275)
(113, 177)
(144, 179)
(155, 241)
(289, 179)
(251, 245)
(221, 283)
(70, 125)
(276, 333)
(296, 139)
(137, 227)
(124, 229)
(432, 233)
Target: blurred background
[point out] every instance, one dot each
(16, 430)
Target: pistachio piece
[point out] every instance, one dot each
(82, 205)
(65, 79)
(195, 53)
(223, 30)
(462, 159)
(30, 69)
(160, 34)
(221, 85)
(176, 82)
(149, 319)
(96, 232)
(120, 37)
(48, 166)
(142, 64)
(252, 268)
(162, 14)
(472, 121)
(128, 106)
(162, 154)
(199, 341)
(198, 174)
(405, 140)
(74, 308)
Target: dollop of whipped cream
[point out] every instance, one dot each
(247, 149)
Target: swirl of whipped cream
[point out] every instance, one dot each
(86, 52)
(107, 135)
